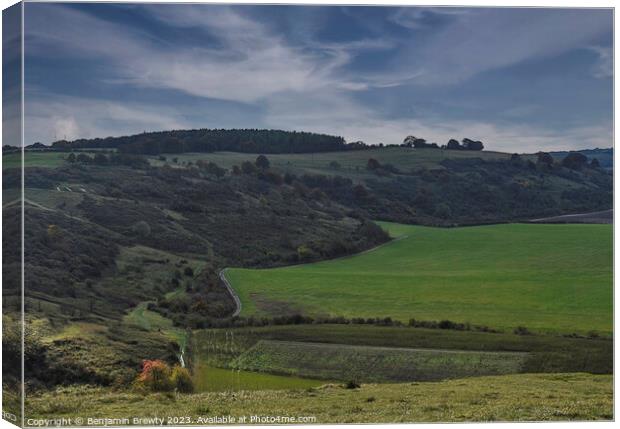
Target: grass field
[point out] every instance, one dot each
(351, 162)
(34, 159)
(211, 379)
(544, 277)
(523, 397)
(374, 364)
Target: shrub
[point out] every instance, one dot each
(155, 376)
(521, 330)
(352, 384)
(188, 271)
(181, 380)
(141, 228)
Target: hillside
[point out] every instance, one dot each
(123, 250)
(525, 397)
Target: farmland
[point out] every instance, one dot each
(374, 364)
(553, 278)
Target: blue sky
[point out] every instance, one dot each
(518, 79)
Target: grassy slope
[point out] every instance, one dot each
(544, 277)
(523, 397)
(352, 163)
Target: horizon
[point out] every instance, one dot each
(375, 74)
(50, 144)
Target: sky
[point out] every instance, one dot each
(520, 80)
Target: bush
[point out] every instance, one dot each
(181, 380)
(141, 228)
(155, 376)
(352, 384)
(188, 271)
(522, 330)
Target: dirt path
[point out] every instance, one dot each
(231, 291)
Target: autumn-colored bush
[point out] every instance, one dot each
(181, 379)
(156, 376)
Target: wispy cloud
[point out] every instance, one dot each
(355, 86)
(604, 67)
(491, 38)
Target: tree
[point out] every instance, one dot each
(262, 162)
(545, 158)
(83, 158)
(469, 144)
(100, 159)
(248, 168)
(373, 164)
(408, 141)
(595, 163)
(515, 157)
(188, 271)
(453, 145)
(575, 161)
(71, 157)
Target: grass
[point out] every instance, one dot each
(352, 163)
(151, 321)
(211, 379)
(374, 364)
(524, 397)
(34, 159)
(554, 278)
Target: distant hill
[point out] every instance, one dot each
(605, 156)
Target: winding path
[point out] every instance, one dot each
(231, 291)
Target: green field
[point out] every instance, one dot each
(544, 277)
(374, 364)
(211, 379)
(351, 162)
(523, 397)
(34, 159)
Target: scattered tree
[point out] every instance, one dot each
(262, 162)
(575, 161)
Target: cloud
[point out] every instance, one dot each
(302, 82)
(245, 62)
(491, 38)
(49, 118)
(604, 67)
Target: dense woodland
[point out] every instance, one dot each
(208, 140)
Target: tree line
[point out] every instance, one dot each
(212, 140)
